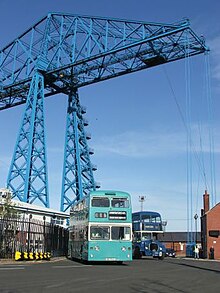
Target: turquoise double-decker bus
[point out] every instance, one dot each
(101, 227)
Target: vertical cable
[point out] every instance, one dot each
(189, 142)
(210, 129)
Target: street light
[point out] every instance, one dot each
(196, 217)
(142, 199)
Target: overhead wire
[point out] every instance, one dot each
(190, 145)
(210, 128)
(191, 149)
(189, 139)
(197, 158)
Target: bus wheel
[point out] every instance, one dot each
(137, 253)
(119, 262)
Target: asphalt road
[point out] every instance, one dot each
(145, 275)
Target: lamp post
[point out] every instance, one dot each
(142, 199)
(164, 223)
(196, 217)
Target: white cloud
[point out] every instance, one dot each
(148, 144)
(141, 144)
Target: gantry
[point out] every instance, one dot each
(59, 54)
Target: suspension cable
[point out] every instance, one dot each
(200, 163)
(189, 140)
(210, 128)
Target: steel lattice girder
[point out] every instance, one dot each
(28, 178)
(78, 177)
(84, 50)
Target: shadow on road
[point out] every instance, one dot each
(197, 265)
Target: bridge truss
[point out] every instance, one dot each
(60, 54)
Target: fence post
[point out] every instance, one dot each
(29, 225)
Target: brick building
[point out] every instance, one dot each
(178, 241)
(210, 229)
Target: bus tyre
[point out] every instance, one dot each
(137, 253)
(162, 257)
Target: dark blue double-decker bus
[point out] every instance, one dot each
(146, 226)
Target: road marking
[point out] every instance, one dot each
(67, 267)
(11, 268)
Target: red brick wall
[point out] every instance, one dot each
(213, 223)
(179, 248)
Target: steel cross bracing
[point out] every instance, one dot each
(84, 50)
(78, 177)
(28, 172)
(59, 54)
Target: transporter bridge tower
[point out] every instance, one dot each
(59, 54)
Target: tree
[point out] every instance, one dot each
(7, 207)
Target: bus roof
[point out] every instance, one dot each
(109, 192)
(150, 213)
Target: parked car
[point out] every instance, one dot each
(170, 252)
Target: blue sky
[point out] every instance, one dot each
(137, 132)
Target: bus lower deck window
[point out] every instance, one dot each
(121, 233)
(99, 233)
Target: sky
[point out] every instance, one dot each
(135, 121)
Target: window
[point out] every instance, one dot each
(145, 218)
(100, 202)
(100, 215)
(137, 236)
(121, 233)
(120, 203)
(145, 236)
(99, 233)
(158, 220)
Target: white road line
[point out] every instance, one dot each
(11, 268)
(67, 267)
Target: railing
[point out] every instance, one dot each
(30, 235)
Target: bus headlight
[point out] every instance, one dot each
(97, 248)
(123, 248)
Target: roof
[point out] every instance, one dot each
(23, 206)
(146, 212)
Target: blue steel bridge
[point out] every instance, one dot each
(59, 54)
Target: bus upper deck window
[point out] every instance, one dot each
(100, 202)
(120, 203)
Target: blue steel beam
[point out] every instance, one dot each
(93, 48)
(78, 177)
(28, 172)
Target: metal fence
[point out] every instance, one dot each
(31, 235)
